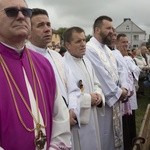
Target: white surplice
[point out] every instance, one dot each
(125, 79)
(136, 72)
(86, 137)
(105, 67)
(124, 72)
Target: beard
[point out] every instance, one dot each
(106, 39)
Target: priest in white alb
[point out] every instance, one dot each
(105, 66)
(87, 136)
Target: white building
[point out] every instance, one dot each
(135, 34)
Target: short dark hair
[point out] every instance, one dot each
(121, 35)
(38, 11)
(67, 36)
(99, 20)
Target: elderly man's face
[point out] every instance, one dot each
(17, 26)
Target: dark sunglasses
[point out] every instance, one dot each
(13, 11)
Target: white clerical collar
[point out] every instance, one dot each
(75, 58)
(17, 50)
(35, 48)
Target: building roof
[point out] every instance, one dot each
(128, 26)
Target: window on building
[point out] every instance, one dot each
(127, 27)
(136, 37)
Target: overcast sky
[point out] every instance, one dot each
(82, 13)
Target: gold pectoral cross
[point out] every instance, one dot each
(40, 139)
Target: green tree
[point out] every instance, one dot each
(61, 31)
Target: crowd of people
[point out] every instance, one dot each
(81, 99)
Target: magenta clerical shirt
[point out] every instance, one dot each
(13, 136)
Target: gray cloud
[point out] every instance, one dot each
(66, 13)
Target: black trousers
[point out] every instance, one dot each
(129, 130)
(141, 90)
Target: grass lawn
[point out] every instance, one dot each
(143, 101)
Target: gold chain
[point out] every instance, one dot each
(35, 77)
(41, 91)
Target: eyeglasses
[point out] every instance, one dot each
(13, 11)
